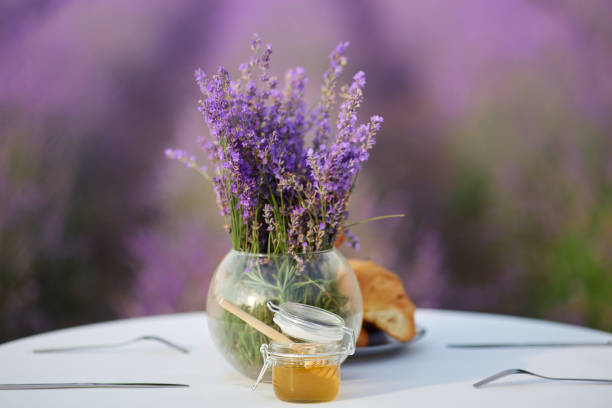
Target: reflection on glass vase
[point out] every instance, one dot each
(323, 279)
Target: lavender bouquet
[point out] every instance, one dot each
(278, 193)
(283, 177)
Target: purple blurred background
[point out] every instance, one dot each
(497, 145)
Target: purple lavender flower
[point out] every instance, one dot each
(276, 193)
(320, 115)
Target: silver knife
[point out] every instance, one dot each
(50, 386)
(535, 344)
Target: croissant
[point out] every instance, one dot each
(385, 302)
(363, 339)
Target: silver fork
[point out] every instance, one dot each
(112, 345)
(511, 371)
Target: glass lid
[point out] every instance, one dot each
(308, 323)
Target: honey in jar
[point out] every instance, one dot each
(299, 383)
(304, 372)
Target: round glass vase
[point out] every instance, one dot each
(323, 279)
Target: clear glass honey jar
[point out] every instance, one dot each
(309, 369)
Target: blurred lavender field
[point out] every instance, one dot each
(497, 145)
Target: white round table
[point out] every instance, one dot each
(424, 374)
